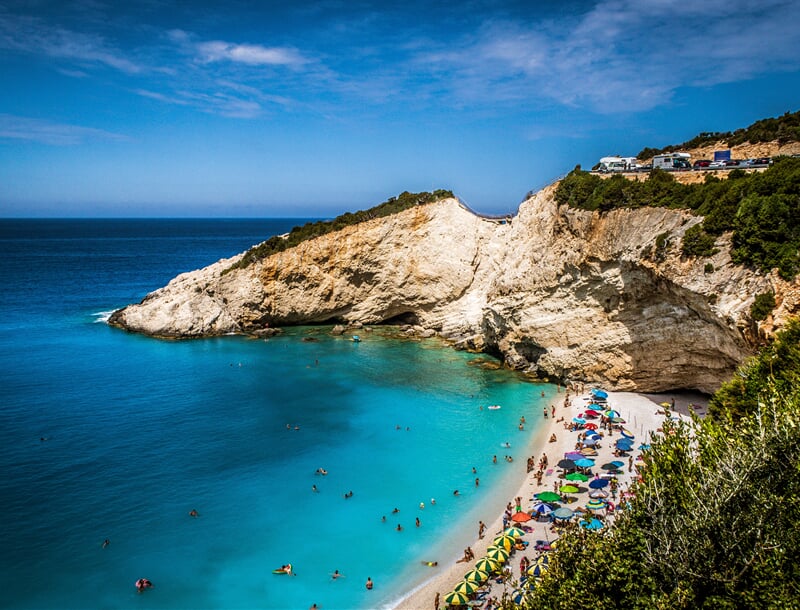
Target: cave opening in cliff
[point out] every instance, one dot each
(408, 317)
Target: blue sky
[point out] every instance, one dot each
(310, 109)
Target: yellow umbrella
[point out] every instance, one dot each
(514, 531)
(505, 542)
(467, 587)
(477, 575)
(497, 553)
(455, 598)
(487, 564)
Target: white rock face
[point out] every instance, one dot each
(561, 292)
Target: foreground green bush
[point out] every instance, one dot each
(715, 522)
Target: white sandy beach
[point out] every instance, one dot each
(643, 415)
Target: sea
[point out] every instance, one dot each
(108, 439)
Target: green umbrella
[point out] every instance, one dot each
(498, 553)
(476, 575)
(548, 496)
(569, 489)
(487, 564)
(456, 598)
(505, 542)
(466, 586)
(577, 476)
(514, 531)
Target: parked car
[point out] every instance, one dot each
(716, 165)
(761, 162)
(701, 164)
(732, 163)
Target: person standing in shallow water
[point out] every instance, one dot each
(369, 584)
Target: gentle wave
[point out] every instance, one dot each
(102, 317)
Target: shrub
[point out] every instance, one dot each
(709, 268)
(696, 242)
(762, 306)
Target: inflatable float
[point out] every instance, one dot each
(287, 569)
(493, 407)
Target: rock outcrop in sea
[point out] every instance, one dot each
(559, 292)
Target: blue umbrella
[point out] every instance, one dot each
(618, 464)
(644, 447)
(542, 508)
(595, 407)
(563, 513)
(599, 393)
(584, 463)
(625, 444)
(589, 442)
(598, 483)
(592, 434)
(594, 524)
(579, 420)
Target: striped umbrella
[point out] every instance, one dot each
(505, 542)
(456, 598)
(537, 569)
(466, 586)
(497, 553)
(477, 575)
(487, 564)
(514, 531)
(595, 504)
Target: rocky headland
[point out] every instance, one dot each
(561, 293)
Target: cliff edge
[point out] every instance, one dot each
(560, 292)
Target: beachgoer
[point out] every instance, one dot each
(143, 584)
(433, 501)
(436, 601)
(494, 459)
(106, 542)
(481, 529)
(336, 575)
(545, 412)
(314, 488)
(193, 513)
(430, 564)
(395, 511)
(477, 481)
(313, 607)
(422, 505)
(383, 519)
(399, 528)
(474, 470)
(417, 522)
(369, 584)
(553, 410)
(455, 492)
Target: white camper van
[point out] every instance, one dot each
(616, 164)
(673, 161)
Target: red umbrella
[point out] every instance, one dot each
(590, 426)
(521, 517)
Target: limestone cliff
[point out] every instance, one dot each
(560, 292)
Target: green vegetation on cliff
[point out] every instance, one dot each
(784, 129)
(310, 230)
(762, 209)
(715, 520)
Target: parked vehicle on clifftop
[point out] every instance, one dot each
(672, 161)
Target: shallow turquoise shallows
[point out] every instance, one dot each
(106, 435)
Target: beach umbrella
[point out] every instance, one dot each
(594, 524)
(591, 442)
(612, 466)
(618, 464)
(626, 433)
(598, 493)
(617, 420)
(569, 489)
(497, 553)
(521, 517)
(563, 513)
(537, 569)
(467, 586)
(505, 542)
(595, 504)
(611, 413)
(590, 426)
(598, 393)
(584, 463)
(625, 444)
(548, 496)
(542, 508)
(579, 420)
(644, 447)
(577, 476)
(592, 434)
(566, 464)
(476, 575)
(514, 531)
(598, 483)
(595, 407)
(456, 598)
(665, 404)
(542, 559)
(572, 455)
(486, 564)
(588, 451)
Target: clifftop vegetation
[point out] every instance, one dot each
(762, 209)
(784, 129)
(310, 230)
(715, 521)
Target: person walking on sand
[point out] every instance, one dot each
(436, 601)
(481, 529)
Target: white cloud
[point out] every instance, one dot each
(48, 132)
(250, 54)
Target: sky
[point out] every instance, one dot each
(310, 109)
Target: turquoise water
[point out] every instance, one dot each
(140, 431)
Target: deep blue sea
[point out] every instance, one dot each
(111, 435)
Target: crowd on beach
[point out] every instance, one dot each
(582, 484)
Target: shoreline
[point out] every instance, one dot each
(643, 414)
